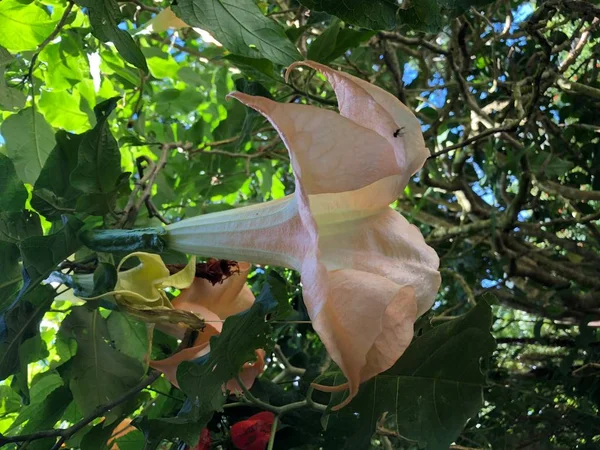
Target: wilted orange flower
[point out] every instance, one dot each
(367, 273)
(214, 303)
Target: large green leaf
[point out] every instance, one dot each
(105, 17)
(241, 27)
(130, 336)
(13, 192)
(66, 63)
(14, 227)
(97, 363)
(371, 14)
(430, 393)
(53, 194)
(29, 140)
(242, 334)
(18, 225)
(99, 159)
(386, 14)
(23, 26)
(41, 254)
(63, 110)
(43, 415)
(334, 41)
(20, 323)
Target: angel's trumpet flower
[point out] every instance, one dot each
(214, 303)
(366, 272)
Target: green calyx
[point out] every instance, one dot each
(142, 239)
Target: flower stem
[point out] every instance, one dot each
(273, 431)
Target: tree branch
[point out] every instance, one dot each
(66, 433)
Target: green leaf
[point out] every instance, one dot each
(23, 26)
(53, 194)
(97, 363)
(44, 385)
(324, 44)
(10, 402)
(11, 98)
(97, 437)
(16, 226)
(105, 17)
(10, 274)
(186, 426)
(66, 63)
(424, 15)
(260, 69)
(242, 334)
(349, 38)
(373, 14)
(103, 203)
(431, 392)
(29, 140)
(43, 415)
(134, 440)
(62, 110)
(99, 159)
(241, 27)
(41, 254)
(20, 323)
(160, 64)
(13, 192)
(334, 41)
(130, 336)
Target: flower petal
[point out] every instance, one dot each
(224, 299)
(143, 278)
(182, 279)
(329, 153)
(366, 323)
(385, 244)
(374, 108)
(165, 20)
(250, 371)
(169, 365)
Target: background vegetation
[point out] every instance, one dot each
(106, 120)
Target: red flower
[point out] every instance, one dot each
(254, 432)
(204, 441)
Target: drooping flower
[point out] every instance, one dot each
(140, 291)
(214, 303)
(254, 432)
(367, 273)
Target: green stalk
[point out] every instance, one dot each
(143, 239)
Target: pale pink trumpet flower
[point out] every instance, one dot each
(367, 273)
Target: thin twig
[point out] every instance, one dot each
(66, 433)
(61, 23)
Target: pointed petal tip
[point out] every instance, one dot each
(333, 389)
(329, 389)
(308, 63)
